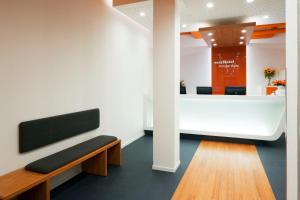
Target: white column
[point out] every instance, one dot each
(293, 100)
(166, 78)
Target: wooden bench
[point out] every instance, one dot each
(27, 185)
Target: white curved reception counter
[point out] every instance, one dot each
(248, 117)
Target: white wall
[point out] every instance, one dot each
(195, 63)
(62, 56)
(262, 53)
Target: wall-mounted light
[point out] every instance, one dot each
(215, 44)
(212, 40)
(244, 31)
(241, 43)
(266, 16)
(250, 1)
(242, 37)
(210, 34)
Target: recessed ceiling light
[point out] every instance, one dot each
(266, 16)
(242, 37)
(241, 43)
(210, 34)
(215, 44)
(250, 1)
(244, 31)
(210, 5)
(212, 40)
(184, 25)
(142, 14)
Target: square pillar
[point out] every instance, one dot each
(166, 78)
(293, 100)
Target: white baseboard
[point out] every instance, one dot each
(166, 169)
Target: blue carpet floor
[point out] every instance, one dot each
(273, 157)
(135, 180)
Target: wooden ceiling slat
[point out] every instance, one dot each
(228, 35)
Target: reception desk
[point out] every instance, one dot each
(248, 117)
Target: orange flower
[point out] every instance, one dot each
(279, 82)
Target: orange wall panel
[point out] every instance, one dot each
(228, 68)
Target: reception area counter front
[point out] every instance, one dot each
(247, 117)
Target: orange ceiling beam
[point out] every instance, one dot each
(268, 30)
(270, 26)
(261, 31)
(265, 36)
(196, 35)
(185, 33)
(272, 31)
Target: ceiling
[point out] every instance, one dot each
(195, 14)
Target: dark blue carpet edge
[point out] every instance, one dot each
(273, 157)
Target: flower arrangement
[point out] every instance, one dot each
(269, 74)
(279, 82)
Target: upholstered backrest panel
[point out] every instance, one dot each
(41, 132)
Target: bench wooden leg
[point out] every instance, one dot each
(114, 155)
(96, 165)
(39, 192)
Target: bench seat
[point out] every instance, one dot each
(19, 181)
(59, 159)
(29, 185)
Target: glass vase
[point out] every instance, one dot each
(269, 81)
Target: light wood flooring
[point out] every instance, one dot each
(224, 171)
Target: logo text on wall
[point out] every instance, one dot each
(226, 64)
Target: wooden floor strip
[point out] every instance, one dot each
(224, 171)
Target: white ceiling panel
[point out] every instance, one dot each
(195, 14)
